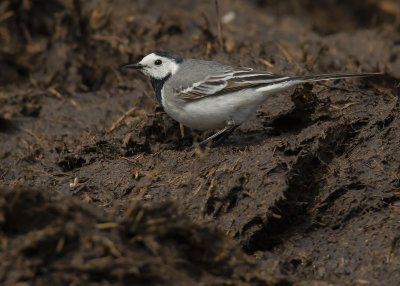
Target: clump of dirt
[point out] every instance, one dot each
(51, 240)
(309, 187)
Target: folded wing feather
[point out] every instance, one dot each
(229, 81)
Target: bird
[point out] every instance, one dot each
(208, 95)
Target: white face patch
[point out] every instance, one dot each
(158, 67)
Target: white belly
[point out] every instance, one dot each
(213, 112)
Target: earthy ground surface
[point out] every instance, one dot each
(97, 188)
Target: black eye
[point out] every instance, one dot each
(158, 62)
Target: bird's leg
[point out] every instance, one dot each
(222, 134)
(222, 131)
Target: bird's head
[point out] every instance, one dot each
(158, 65)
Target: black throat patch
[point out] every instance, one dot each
(158, 85)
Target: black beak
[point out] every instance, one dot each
(132, 66)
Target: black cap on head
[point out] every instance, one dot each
(166, 54)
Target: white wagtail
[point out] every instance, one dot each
(207, 95)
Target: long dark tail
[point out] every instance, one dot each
(283, 83)
(320, 77)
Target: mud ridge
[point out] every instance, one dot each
(293, 213)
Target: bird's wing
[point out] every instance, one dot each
(236, 79)
(230, 80)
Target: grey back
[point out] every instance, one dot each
(192, 70)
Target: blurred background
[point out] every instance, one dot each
(78, 45)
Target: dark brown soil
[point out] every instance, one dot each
(96, 185)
